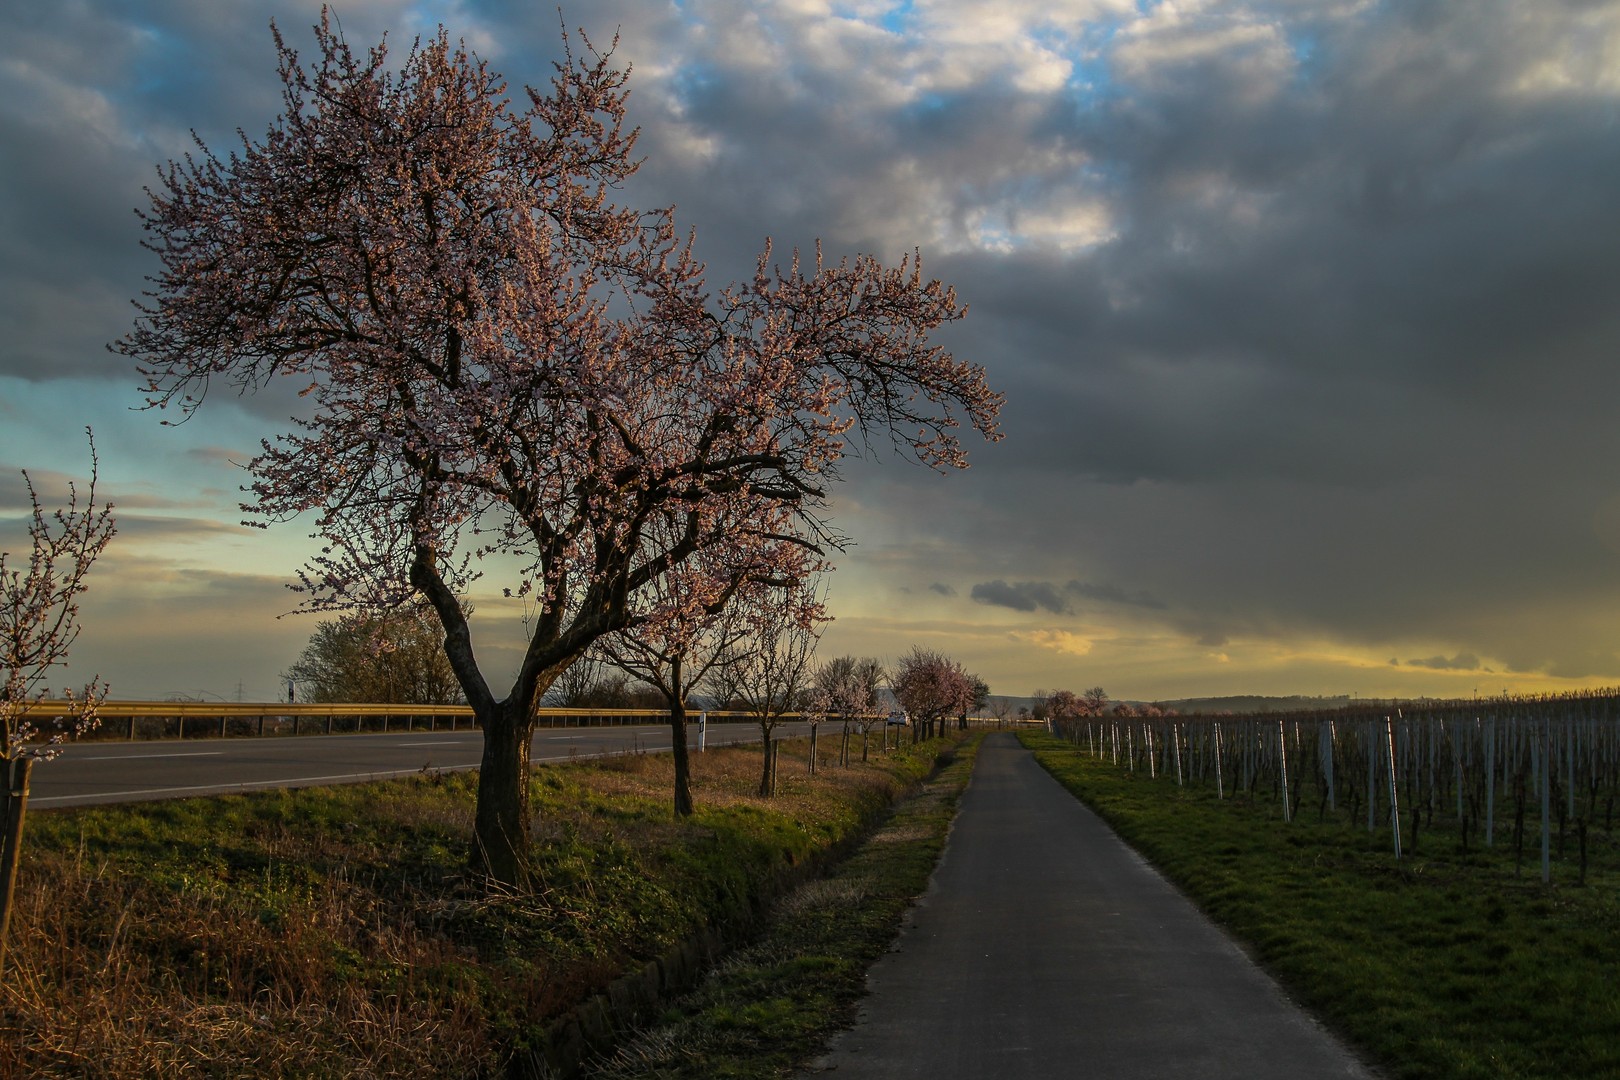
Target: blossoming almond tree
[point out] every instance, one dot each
(847, 687)
(973, 700)
(1061, 707)
(769, 671)
(695, 619)
(505, 369)
(39, 621)
(931, 686)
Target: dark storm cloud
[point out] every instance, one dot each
(93, 97)
(1058, 599)
(1021, 596)
(1304, 312)
(1112, 594)
(942, 588)
(1460, 662)
(1348, 359)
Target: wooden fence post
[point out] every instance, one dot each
(1394, 796)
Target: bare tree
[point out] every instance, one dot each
(500, 362)
(592, 682)
(578, 685)
(769, 669)
(1001, 708)
(39, 622)
(724, 681)
(1096, 701)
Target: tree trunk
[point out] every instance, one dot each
(13, 806)
(765, 774)
(683, 761)
(813, 729)
(501, 821)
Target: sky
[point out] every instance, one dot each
(1305, 312)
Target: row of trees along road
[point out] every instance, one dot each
(501, 367)
(847, 689)
(1059, 705)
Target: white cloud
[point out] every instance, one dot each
(31, 90)
(1578, 55)
(1191, 44)
(1065, 642)
(1033, 47)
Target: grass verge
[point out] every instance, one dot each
(329, 932)
(1443, 966)
(769, 1008)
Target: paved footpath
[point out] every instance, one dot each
(1046, 948)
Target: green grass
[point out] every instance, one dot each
(1441, 966)
(771, 1007)
(331, 931)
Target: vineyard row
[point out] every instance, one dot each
(1480, 768)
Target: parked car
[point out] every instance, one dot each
(899, 718)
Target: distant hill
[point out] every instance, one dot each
(1254, 703)
(1238, 704)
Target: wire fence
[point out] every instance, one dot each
(1488, 772)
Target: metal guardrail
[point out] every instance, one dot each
(134, 720)
(218, 719)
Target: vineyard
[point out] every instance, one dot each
(1535, 776)
(1439, 883)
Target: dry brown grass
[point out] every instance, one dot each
(112, 976)
(330, 933)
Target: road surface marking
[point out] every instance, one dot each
(247, 785)
(133, 757)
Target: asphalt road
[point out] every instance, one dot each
(113, 772)
(1046, 948)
